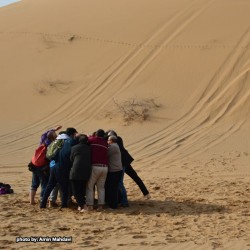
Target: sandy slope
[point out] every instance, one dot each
(70, 63)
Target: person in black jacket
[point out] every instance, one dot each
(80, 171)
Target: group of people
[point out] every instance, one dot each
(83, 165)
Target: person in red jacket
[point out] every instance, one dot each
(99, 162)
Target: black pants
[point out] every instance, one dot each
(111, 188)
(56, 177)
(133, 175)
(79, 191)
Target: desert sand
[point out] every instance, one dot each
(171, 77)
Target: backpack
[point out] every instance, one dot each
(39, 159)
(53, 149)
(5, 189)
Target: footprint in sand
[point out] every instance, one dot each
(64, 228)
(90, 243)
(139, 236)
(135, 212)
(8, 214)
(4, 242)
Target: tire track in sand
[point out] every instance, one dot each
(109, 79)
(136, 68)
(226, 93)
(102, 83)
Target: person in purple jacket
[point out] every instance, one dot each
(42, 177)
(49, 136)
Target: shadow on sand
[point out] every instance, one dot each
(171, 207)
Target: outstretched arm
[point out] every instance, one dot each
(57, 128)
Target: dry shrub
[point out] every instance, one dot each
(134, 110)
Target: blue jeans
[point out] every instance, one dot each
(122, 190)
(39, 178)
(56, 176)
(54, 193)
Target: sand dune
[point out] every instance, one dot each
(186, 66)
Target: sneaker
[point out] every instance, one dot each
(147, 196)
(83, 210)
(83, 207)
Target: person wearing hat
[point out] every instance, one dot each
(62, 136)
(60, 172)
(49, 136)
